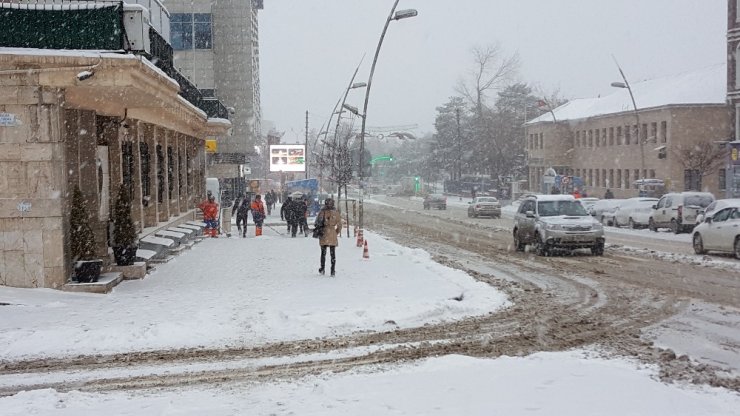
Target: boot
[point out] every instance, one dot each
(321, 270)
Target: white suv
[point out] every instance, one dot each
(678, 211)
(556, 222)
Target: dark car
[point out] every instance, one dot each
(438, 201)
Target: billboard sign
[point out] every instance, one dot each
(287, 158)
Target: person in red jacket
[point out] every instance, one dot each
(258, 215)
(210, 216)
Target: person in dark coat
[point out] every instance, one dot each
(608, 194)
(284, 211)
(302, 211)
(241, 211)
(268, 202)
(329, 221)
(293, 214)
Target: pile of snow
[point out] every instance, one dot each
(567, 383)
(245, 292)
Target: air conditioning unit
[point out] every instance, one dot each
(136, 27)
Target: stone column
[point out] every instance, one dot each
(145, 133)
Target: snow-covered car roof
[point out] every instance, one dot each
(554, 198)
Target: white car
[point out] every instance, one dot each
(634, 212)
(678, 210)
(720, 232)
(603, 210)
(588, 202)
(714, 207)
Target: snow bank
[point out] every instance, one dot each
(566, 383)
(245, 292)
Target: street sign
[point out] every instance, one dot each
(211, 146)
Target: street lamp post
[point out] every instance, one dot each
(640, 140)
(393, 15)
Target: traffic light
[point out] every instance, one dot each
(390, 158)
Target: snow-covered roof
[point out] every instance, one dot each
(704, 86)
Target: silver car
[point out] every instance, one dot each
(552, 222)
(486, 206)
(720, 232)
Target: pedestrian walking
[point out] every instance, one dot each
(258, 215)
(608, 194)
(327, 228)
(293, 214)
(241, 211)
(268, 202)
(284, 211)
(302, 215)
(210, 216)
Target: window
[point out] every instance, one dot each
(578, 173)
(643, 133)
(145, 171)
(691, 180)
(190, 30)
(618, 184)
(596, 138)
(662, 153)
(160, 174)
(202, 30)
(590, 138)
(627, 135)
(180, 182)
(663, 131)
(603, 136)
(598, 178)
(578, 139)
(603, 177)
(637, 176)
(652, 173)
(611, 178)
(611, 136)
(626, 179)
(619, 136)
(542, 140)
(181, 31)
(127, 166)
(722, 179)
(722, 215)
(170, 173)
(590, 177)
(653, 132)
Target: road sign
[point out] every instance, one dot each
(211, 146)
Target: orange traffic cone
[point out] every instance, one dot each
(365, 252)
(360, 238)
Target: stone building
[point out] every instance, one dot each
(96, 120)
(216, 46)
(733, 97)
(596, 139)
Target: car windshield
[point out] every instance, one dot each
(487, 200)
(555, 208)
(699, 200)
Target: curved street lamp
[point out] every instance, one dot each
(640, 141)
(394, 15)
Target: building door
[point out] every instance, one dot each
(101, 161)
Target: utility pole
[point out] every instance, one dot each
(459, 145)
(305, 154)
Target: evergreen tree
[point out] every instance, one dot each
(124, 232)
(82, 239)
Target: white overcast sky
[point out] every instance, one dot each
(309, 48)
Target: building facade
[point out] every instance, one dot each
(733, 97)
(216, 46)
(609, 145)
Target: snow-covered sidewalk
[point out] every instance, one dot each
(234, 291)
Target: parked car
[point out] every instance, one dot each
(720, 232)
(603, 210)
(588, 202)
(438, 201)
(714, 207)
(678, 210)
(634, 212)
(487, 206)
(556, 222)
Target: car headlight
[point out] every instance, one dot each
(554, 227)
(597, 226)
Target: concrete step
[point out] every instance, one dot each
(105, 284)
(178, 238)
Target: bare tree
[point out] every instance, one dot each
(699, 160)
(491, 69)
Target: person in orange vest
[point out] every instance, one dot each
(210, 216)
(258, 214)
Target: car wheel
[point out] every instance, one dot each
(475, 215)
(675, 227)
(698, 244)
(602, 220)
(737, 247)
(632, 224)
(541, 247)
(518, 245)
(598, 249)
(469, 214)
(651, 226)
